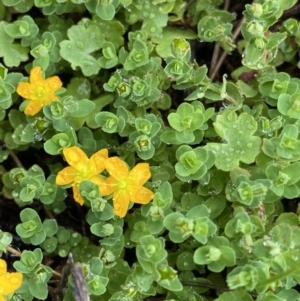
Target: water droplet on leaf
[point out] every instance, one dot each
(80, 45)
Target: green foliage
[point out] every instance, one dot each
(288, 105)
(192, 164)
(139, 79)
(241, 145)
(216, 27)
(159, 208)
(35, 273)
(195, 223)
(52, 193)
(95, 277)
(146, 138)
(109, 58)
(154, 14)
(216, 254)
(13, 53)
(250, 193)
(31, 230)
(259, 17)
(6, 88)
(187, 123)
(68, 112)
(83, 41)
(65, 241)
(5, 240)
(285, 146)
(150, 252)
(28, 184)
(59, 141)
(138, 57)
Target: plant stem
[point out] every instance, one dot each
(224, 53)
(13, 251)
(18, 253)
(212, 286)
(15, 158)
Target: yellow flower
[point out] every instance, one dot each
(126, 185)
(81, 168)
(9, 282)
(39, 91)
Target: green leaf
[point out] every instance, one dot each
(139, 56)
(105, 12)
(185, 261)
(289, 105)
(50, 226)
(216, 204)
(20, 6)
(240, 144)
(170, 137)
(150, 252)
(31, 229)
(99, 102)
(109, 58)
(168, 35)
(12, 53)
(39, 289)
(59, 141)
(239, 294)
(107, 121)
(180, 228)
(79, 88)
(168, 278)
(216, 254)
(81, 44)
(49, 244)
(5, 240)
(113, 30)
(33, 31)
(18, 29)
(192, 163)
(84, 108)
(29, 261)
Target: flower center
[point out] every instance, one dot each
(84, 172)
(40, 93)
(122, 185)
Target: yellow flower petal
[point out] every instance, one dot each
(140, 174)
(32, 108)
(107, 186)
(97, 160)
(126, 185)
(74, 155)
(10, 282)
(3, 266)
(54, 83)
(120, 203)
(38, 91)
(77, 197)
(98, 181)
(142, 196)
(66, 176)
(47, 98)
(82, 168)
(117, 168)
(24, 90)
(36, 74)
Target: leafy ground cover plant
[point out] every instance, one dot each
(150, 150)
